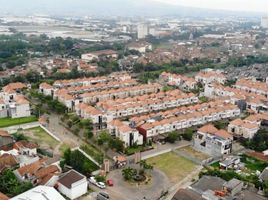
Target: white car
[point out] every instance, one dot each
(101, 185)
(92, 180)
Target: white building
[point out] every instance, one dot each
(73, 184)
(40, 193)
(46, 89)
(264, 22)
(143, 31)
(208, 139)
(125, 133)
(98, 54)
(141, 47)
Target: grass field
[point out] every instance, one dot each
(41, 137)
(175, 167)
(5, 122)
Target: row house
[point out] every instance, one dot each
(209, 140)
(97, 117)
(49, 90)
(146, 103)
(209, 76)
(243, 128)
(162, 126)
(251, 86)
(120, 93)
(80, 82)
(182, 110)
(180, 81)
(102, 86)
(125, 133)
(68, 100)
(46, 89)
(245, 99)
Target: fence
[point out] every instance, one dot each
(14, 129)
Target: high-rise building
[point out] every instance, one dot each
(264, 22)
(142, 30)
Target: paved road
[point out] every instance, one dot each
(62, 133)
(126, 191)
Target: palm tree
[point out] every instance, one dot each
(128, 173)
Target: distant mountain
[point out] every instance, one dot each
(103, 8)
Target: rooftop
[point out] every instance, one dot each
(70, 177)
(40, 193)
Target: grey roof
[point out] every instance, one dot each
(208, 183)
(264, 174)
(186, 194)
(232, 183)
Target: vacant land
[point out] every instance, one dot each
(253, 164)
(93, 152)
(174, 166)
(41, 137)
(193, 153)
(5, 122)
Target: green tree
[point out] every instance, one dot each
(172, 137)
(188, 134)
(128, 173)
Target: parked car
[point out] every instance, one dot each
(109, 182)
(100, 185)
(103, 196)
(92, 180)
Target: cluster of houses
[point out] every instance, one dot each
(180, 81)
(210, 187)
(140, 113)
(43, 172)
(13, 104)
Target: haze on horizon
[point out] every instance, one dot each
(129, 7)
(233, 5)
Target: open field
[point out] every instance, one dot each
(5, 122)
(193, 153)
(175, 167)
(41, 137)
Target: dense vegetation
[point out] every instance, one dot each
(47, 102)
(78, 162)
(259, 142)
(106, 140)
(11, 186)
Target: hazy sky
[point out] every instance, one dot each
(127, 7)
(242, 5)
